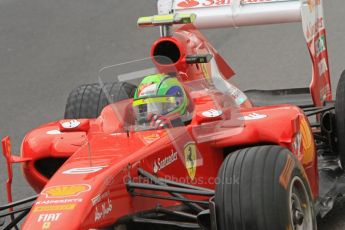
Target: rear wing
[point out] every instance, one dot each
(237, 13)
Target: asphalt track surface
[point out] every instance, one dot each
(48, 47)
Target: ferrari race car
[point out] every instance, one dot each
(168, 142)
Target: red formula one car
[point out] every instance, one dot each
(168, 142)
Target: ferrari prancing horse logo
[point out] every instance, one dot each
(190, 159)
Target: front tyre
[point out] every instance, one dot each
(263, 188)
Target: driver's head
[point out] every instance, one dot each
(160, 94)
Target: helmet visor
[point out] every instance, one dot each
(156, 105)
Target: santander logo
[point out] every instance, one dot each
(188, 3)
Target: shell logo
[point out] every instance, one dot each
(65, 190)
(188, 3)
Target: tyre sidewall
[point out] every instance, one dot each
(340, 118)
(285, 193)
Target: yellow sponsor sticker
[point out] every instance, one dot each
(46, 225)
(60, 207)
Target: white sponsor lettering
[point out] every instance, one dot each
(253, 116)
(212, 113)
(322, 67)
(54, 132)
(99, 198)
(85, 170)
(103, 210)
(48, 217)
(325, 92)
(236, 94)
(161, 164)
(70, 124)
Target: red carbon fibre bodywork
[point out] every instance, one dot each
(122, 155)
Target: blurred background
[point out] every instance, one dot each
(49, 47)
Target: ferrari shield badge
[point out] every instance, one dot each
(190, 159)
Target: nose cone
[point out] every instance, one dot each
(88, 202)
(89, 190)
(82, 193)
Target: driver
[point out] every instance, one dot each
(160, 101)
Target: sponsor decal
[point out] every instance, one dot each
(188, 3)
(103, 210)
(62, 201)
(85, 170)
(253, 116)
(100, 197)
(212, 113)
(151, 138)
(59, 207)
(70, 124)
(160, 164)
(54, 132)
(190, 159)
(147, 90)
(323, 68)
(320, 45)
(65, 190)
(46, 225)
(200, 3)
(296, 145)
(325, 92)
(237, 94)
(48, 217)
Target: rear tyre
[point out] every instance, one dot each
(88, 101)
(340, 118)
(263, 188)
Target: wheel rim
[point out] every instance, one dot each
(301, 213)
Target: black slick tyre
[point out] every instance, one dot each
(340, 118)
(263, 188)
(88, 101)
